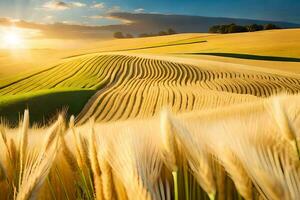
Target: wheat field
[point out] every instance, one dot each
(245, 151)
(149, 119)
(118, 86)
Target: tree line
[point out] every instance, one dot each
(121, 35)
(234, 28)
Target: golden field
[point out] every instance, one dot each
(278, 43)
(187, 116)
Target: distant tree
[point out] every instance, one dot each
(270, 27)
(171, 31)
(255, 27)
(224, 28)
(162, 33)
(214, 29)
(128, 35)
(118, 35)
(233, 28)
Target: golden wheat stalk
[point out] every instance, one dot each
(37, 168)
(94, 162)
(81, 147)
(168, 141)
(52, 132)
(23, 141)
(13, 153)
(3, 173)
(285, 124)
(235, 169)
(282, 120)
(68, 154)
(262, 154)
(3, 142)
(120, 189)
(217, 143)
(107, 178)
(197, 156)
(135, 159)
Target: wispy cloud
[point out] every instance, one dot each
(119, 19)
(98, 5)
(133, 23)
(77, 4)
(70, 29)
(114, 9)
(48, 18)
(61, 5)
(56, 5)
(95, 17)
(139, 10)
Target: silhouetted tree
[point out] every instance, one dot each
(171, 31)
(233, 28)
(128, 35)
(224, 28)
(162, 33)
(255, 27)
(271, 26)
(214, 29)
(118, 35)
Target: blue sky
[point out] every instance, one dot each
(93, 11)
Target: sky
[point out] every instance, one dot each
(91, 19)
(93, 12)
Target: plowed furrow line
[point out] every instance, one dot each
(91, 108)
(32, 80)
(138, 87)
(124, 77)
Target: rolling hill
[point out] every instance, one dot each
(135, 78)
(230, 129)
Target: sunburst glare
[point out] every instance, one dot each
(12, 38)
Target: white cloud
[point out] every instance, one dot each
(114, 9)
(77, 4)
(98, 5)
(56, 5)
(49, 17)
(124, 21)
(60, 5)
(139, 10)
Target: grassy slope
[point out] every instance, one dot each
(49, 90)
(44, 104)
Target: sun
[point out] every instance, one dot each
(12, 39)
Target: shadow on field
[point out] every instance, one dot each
(250, 57)
(43, 106)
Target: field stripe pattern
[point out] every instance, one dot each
(137, 87)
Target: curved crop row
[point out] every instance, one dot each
(146, 85)
(138, 87)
